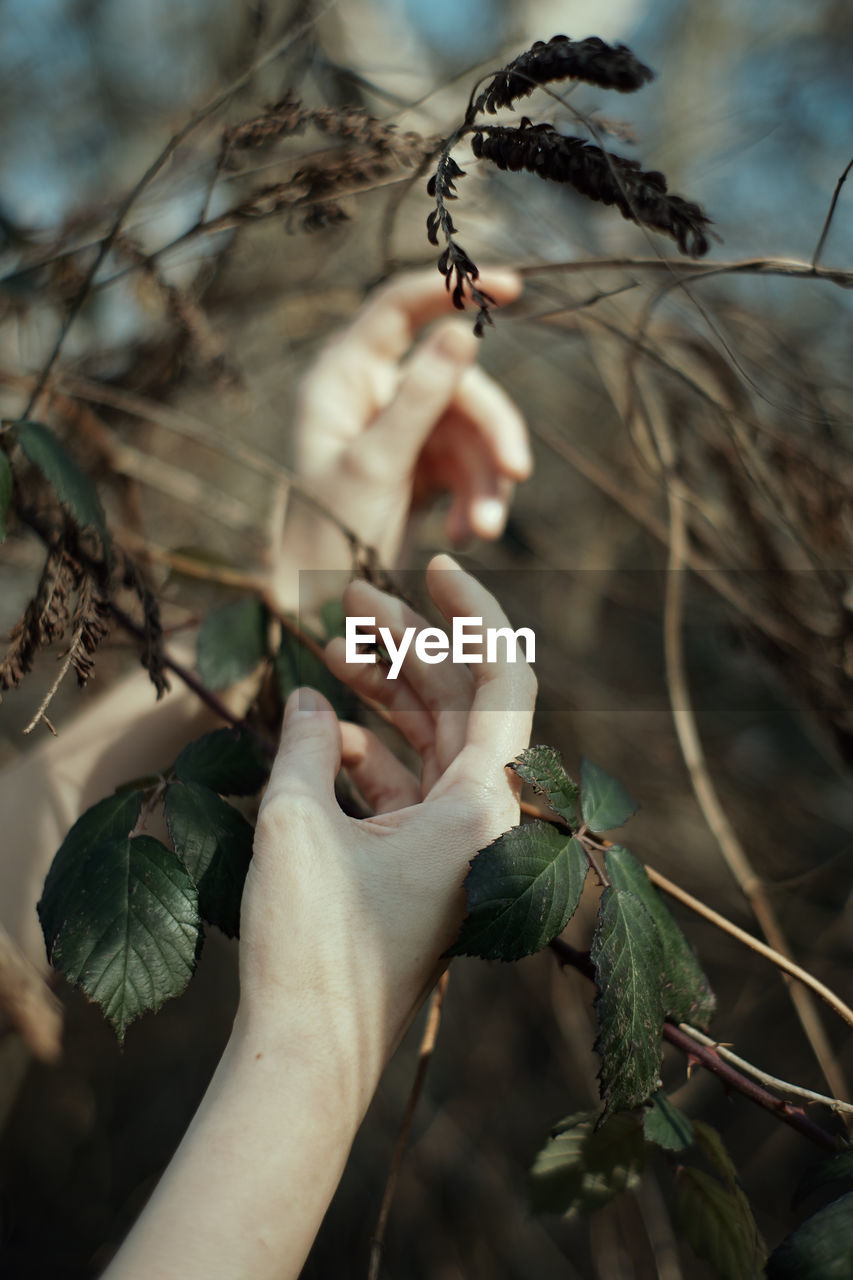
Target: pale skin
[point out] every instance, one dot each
(344, 921)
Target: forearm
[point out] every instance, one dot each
(251, 1181)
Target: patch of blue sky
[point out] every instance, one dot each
(458, 30)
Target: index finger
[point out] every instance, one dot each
(391, 319)
(501, 714)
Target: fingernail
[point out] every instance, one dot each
(304, 702)
(489, 517)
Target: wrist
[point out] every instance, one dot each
(319, 1055)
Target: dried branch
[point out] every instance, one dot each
(715, 816)
(830, 214)
(772, 1082)
(136, 191)
(669, 887)
(428, 1039)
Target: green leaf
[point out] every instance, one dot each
(581, 1168)
(711, 1144)
(666, 1126)
(718, 1225)
(229, 761)
(687, 995)
(231, 642)
(71, 485)
(215, 845)
(543, 769)
(521, 891)
(838, 1168)
(604, 802)
(627, 955)
(131, 932)
(6, 486)
(108, 820)
(297, 667)
(820, 1249)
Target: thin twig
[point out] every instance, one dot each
(783, 962)
(830, 215)
(51, 693)
(424, 1056)
(669, 887)
(710, 1059)
(191, 680)
(696, 270)
(772, 1082)
(715, 816)
(136, 191)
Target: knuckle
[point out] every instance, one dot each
(286, 815)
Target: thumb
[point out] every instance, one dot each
(428, 385)
(309, 755)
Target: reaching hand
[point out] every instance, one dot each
(382, 428)
(344, 922)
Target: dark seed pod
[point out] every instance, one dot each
(639, 196)
(591, 60)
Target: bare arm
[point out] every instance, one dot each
(344, 923)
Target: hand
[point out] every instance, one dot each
(381, 429)
(344, 921)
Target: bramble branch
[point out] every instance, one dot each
(708, 1057)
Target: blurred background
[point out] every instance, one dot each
(190, 345)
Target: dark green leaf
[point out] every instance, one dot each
(70, 484)
(666, 1126)
(604, 802)
(543, 769)
(131, 931)
(107, 821)
(711, 1144)
(687, 995)
(581, 1168)
(215, 844)
(297, 667)
(627, 955)
(521, 891)
(231, 642)
(837, 1168)
(718, 1225)
(820, 1249)
(229, 761)
(6, 485)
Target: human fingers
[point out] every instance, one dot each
(444, 688)
(425, 391)
(383, 780)
(505, 689)
(457, 460)
(391, 319)
(309, 753)
(497, 420)
(405, 709)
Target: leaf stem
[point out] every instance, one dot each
(709, 1058)
(727, 926)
